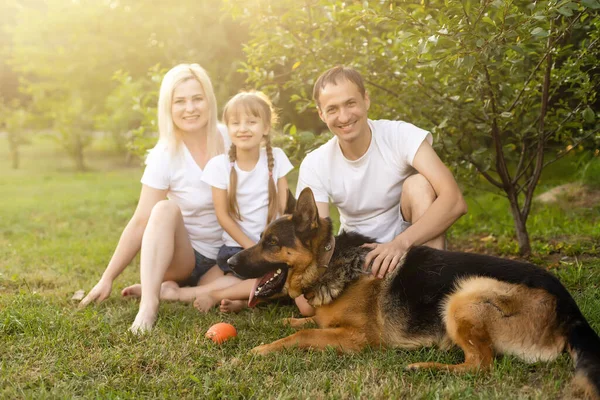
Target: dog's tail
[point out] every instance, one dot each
(584, 346)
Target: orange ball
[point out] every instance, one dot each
(221, 332)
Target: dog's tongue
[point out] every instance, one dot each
(252, 300)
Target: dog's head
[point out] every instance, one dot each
(285, 258)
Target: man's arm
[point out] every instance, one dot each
(448, 206)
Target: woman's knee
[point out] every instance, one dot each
(164, 210)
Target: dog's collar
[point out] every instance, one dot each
(325, 257)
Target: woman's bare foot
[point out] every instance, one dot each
(204, 302)
(232, 306)
(132, 291)
(144, 320)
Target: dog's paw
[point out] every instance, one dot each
(293, 322)
(415, 366)
(261, 350)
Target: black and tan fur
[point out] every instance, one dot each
(485, 305)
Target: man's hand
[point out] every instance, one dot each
(384, 256)
(99, 293)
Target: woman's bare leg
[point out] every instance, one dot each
(166, 255)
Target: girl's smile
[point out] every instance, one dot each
(247, 131)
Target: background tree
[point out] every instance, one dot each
(14, 121)
(66, 53)
(499, 83)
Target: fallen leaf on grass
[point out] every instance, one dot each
(78, 295)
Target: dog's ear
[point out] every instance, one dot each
(306, 215)
(290, 204)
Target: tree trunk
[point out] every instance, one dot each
(78, 154)
(520, 227)
(14, 152)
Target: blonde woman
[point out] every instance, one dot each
(174, 225)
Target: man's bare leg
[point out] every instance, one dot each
(417, 196)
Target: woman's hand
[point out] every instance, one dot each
(99, 293)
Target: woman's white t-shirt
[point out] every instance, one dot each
(252, 189)
(182, 176)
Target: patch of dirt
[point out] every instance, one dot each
(574, 195)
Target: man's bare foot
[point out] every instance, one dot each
(169, 290)
(144, 320)
(232, 306)
(132, 291)
(204, 302)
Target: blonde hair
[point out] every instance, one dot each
(166, 128)
(257, 104)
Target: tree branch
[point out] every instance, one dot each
(500, 161)
(537, 67)
(539, 164)
(484, 173)
(573, 146)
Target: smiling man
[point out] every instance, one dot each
(383, 176)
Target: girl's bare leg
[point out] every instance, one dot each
(237, 292)
(166, 255)
(188, 294)
(170, 290)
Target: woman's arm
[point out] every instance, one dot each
(228, 223)
(129, 244)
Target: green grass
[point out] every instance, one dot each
(58, 229)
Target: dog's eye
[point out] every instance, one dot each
(271, 242)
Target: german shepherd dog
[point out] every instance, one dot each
(483, 304)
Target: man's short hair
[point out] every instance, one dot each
(334, 75)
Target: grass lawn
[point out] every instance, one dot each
(58, 230)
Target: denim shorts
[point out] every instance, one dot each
(225, 253)
(203, 264)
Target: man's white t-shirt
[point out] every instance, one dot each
(183, 178)
(366, 191)
(252, 190)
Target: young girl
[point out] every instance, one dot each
(249, 190)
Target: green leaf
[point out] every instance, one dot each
(306, 138)
(593, 4)
(469, 62)
(588, 115)
(540, 32)
(488, 20)
(567, 12)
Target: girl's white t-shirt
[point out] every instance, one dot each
(252, 189)
(366, 191)
(183, 178)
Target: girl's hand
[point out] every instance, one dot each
(99, 293)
